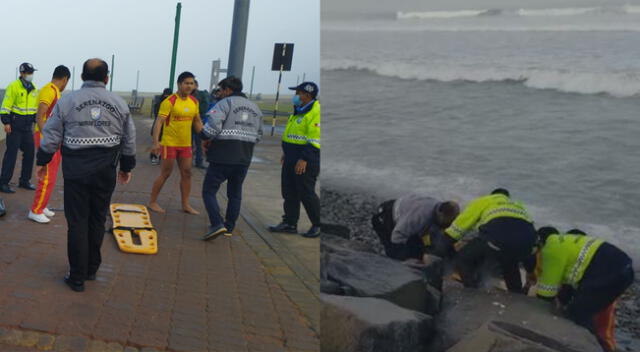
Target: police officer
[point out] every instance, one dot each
(96, 131)
(234, 126)
(18, 113)
(301, 161)
(596, 271)
(506, 233)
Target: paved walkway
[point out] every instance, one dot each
(252, 292)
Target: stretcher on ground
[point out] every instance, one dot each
(132, 229)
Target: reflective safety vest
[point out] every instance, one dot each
(484, 209)
(304, 128)
(564, 260)
(18, 101)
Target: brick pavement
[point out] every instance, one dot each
(231, 294)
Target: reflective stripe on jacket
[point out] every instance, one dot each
(18, 101)
(565, 258)
(484, 209)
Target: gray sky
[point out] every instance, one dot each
(140, 34)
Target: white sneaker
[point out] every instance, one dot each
(48, 213)
(39, 218)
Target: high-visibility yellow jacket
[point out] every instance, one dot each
(301, 137)
(484, 209)
(18, 101)
(565, 258)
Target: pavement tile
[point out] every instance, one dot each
(71, 344)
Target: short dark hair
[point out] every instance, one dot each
(577, 232)
(184, 75)
(232, 82)
(501, 191)
(449, 209)
(96, 73)
(546, 231)
(61, 72)
(167, 91)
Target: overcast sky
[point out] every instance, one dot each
(47, 33)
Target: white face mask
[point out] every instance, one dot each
(28, 78)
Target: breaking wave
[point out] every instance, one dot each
(548, 12)
(617, 84)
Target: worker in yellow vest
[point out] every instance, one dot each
(505, 232)
(597, 271)
(301, 161)
(18, 114)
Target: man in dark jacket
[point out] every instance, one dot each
(233, 126)
(96, 131)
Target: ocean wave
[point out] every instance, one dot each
(617, 84)
(424, 27)
(445, 14)
(544, 12)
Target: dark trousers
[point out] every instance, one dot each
(18, 139)
(512, 241)
(197, 143)
(216, 175)
(609, 274)
(383, 225)
(86, 203)
(298, 189)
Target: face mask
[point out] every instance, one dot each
(296, 100)
(28, 78)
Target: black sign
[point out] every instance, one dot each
(282, 55)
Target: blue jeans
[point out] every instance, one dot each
(216, 175)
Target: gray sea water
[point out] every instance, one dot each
(546, 104)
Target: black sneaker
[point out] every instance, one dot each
(200, 166)
(313, 232)
(284, 227)
(91, 277)
(27, 185)
(3, 209)
(6, 189)
(214, 233)
(77, 286)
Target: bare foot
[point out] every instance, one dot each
(155, 207)
(189, 210)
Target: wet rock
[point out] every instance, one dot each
(331, 243)
(471, 317)
(358, 324)
(354, 211)
(372, 275)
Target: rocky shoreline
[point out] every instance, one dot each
(354, 210)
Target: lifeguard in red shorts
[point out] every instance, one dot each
(47, 99)
(176, 115)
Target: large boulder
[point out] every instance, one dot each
(492, 314)
(355, 324)
(371, 275)
(499, 336)
(332, 243)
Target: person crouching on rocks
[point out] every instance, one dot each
(598, 272)
(506, 233)
(410, 226)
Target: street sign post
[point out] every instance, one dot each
(282, 57)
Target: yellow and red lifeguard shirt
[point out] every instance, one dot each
(179, 114)
(49, 94)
